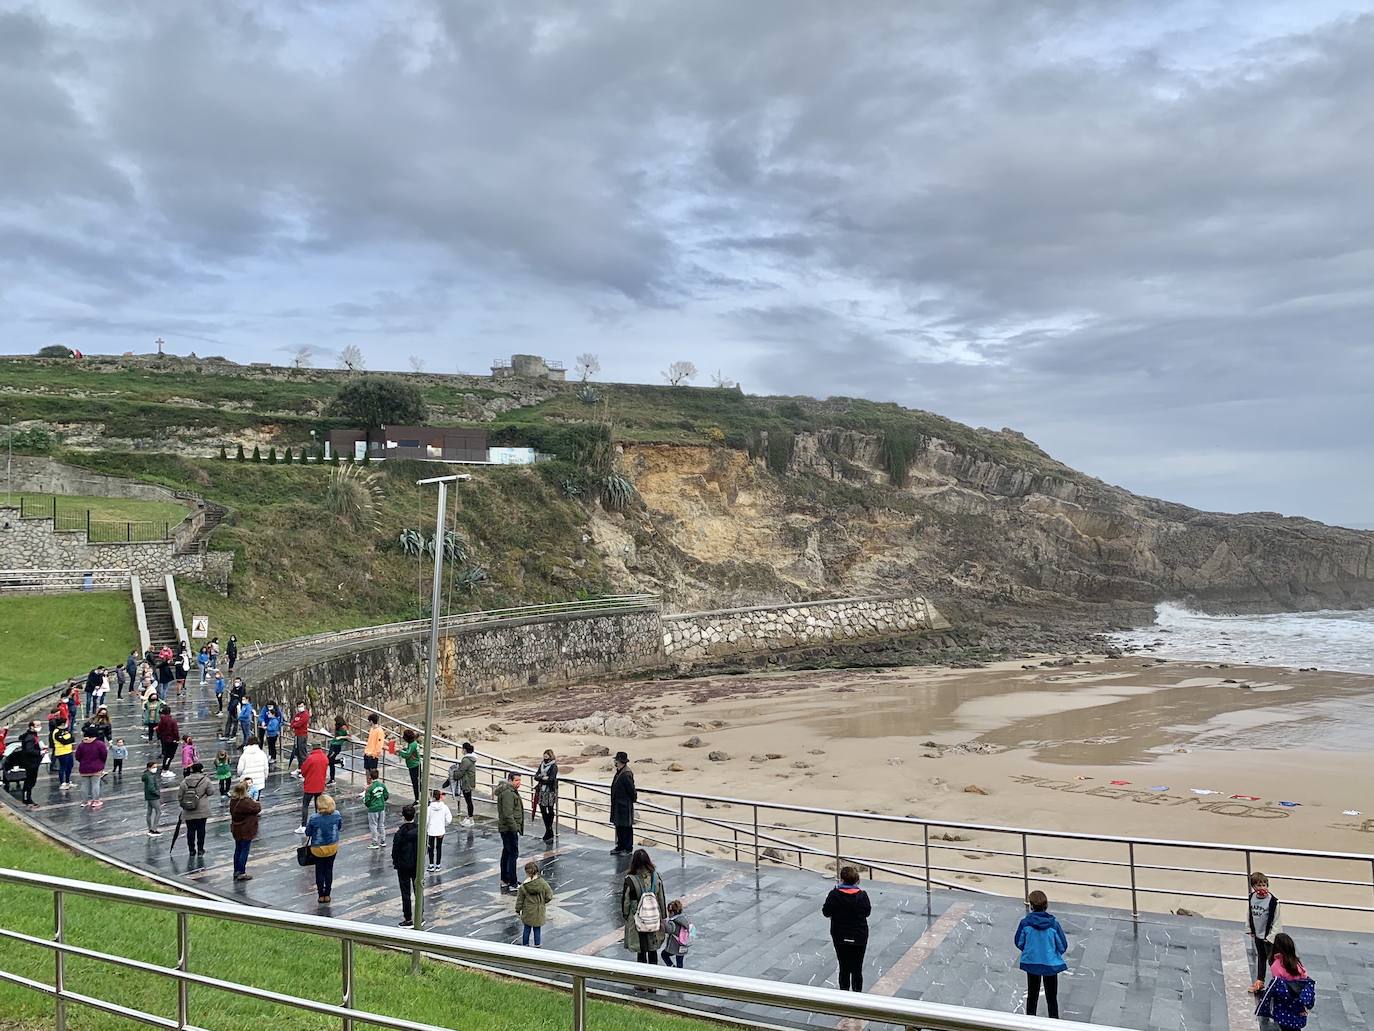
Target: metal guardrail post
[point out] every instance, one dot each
(837, 846)
(346, 970)
(681, 826)
(574, 800)
(59, 979)
(1025, 868)
(1135, 906)
(183, 963)
(579, 1003)
(756, 840)
(925, 845)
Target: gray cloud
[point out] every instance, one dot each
(1137, 231)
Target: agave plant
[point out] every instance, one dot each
(572, 488)
(412, 542)
(617, 493)
(588, 394)
(471, 578)
(455, 548)
(355, 497)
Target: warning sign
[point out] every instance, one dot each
(200, 626)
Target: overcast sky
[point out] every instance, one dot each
(1141, 233)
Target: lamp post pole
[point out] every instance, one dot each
(430, 679)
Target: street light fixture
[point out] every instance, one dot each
(430, 680)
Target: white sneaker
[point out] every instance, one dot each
(466, 821)
(300, 830)
(374, 845)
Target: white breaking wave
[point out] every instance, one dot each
(1332, 639)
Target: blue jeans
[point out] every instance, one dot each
(525, 935)
(64, 768)
(241, 856)
(510, 852)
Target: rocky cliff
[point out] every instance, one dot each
(1002, 525)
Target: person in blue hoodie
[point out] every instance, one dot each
(1042, 943)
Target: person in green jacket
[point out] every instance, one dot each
(531, 901)
(462, 776)
(411, 754)
(374, 801)
(224, 773)
(510, 821)
(152, 797)
(338, 741)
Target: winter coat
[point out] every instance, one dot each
(323, 832)
(243, 818)
(30, 751)
(99, 728)
(531, 901)
(272, 723)
(437, 818)
(167, 729)
(314, 771)
(188, 755)
(195, 786)
(467, 774)
(300, 724)
(403, 847)
(152, 786)
(510, 812)
(1287, 1000)
(676, 925)
(623, 798)
(848, 908)
(630, 892)
(546, 784)
(253, 763)
(90, 757)
(1042, 943)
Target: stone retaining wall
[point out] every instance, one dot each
(38, 475)
(34, 544)
(699, 635)
(518, 653)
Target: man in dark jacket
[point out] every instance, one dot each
(510, 822)
(623, 798)
(231, 652)
(404, 852)
(29, 759)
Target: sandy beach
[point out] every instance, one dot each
(1134, 747)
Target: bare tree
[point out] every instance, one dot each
(351, 358)
(588, 365)
(303, 356)
(719, 379)
(417, 364)
(679, 373)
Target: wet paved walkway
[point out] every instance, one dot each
(1160, 973)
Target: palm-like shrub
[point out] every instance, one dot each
(354, 496)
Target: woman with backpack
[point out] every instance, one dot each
(643, 905)
(194, 798)
(1291, 992)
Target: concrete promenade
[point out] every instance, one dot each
(1160, 973)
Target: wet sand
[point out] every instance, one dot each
(1114, 747)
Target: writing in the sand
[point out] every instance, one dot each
(1224, 807)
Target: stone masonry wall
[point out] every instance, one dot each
(46, 476)
(698, 635)
(520, 653)
(34, 544)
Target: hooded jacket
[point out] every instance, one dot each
(253, 763)
(848, 908)
(531, 901)
(90, 757)
(403, 847)
(313, 772)
(243, 818)
(1042, 943)
(510, 814)
(1288, 998)
(167, 729)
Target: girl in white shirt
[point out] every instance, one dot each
(437, 819)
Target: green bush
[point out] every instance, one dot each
(257, 455)
(240, 456)
(778, 455)
(33, 441)
(900, 445)
(54, 351)
(223, 454)
(272, 455)
(286, 459)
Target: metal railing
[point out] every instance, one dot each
(98, 531)
(32, 581)
(570, 969)
(928, 851)
(615, 603)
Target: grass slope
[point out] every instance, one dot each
(118, 509)
(45, 639)
(288, 962)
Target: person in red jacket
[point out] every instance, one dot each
(300, 726)
(170, 735)
(313, 773)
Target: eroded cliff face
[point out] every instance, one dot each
(720, 529)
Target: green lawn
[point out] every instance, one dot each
(283, 961)
(118, 509)
(45, 639)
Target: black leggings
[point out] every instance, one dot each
(1051, 994)
(467, 799)
(414, 772)
(195, 835)
(850, 954)
(169, 749)
(548, 812)
(435, 848)
(650, 956)
(1263, 950)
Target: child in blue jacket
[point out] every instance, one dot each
(1042, 943)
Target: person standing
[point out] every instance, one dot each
(194, 798)
(248, 721)
(510, 822)
(151, 706)
(623, 798)
(237, 692)
(131, 668)
(203, 662)
(30, 759)
(338, 741)
(848, 908)
(63, 744)
(376, 738)
(1042, 943)
(91, 755)
(300, 745)
(313, 773)
(231, 651)
(252, 767)
(546, 791)
(437, 819)
(643, 905)
(269, 731)
(121, 681)
(405, 846)
(374, 801)
(1291, 992)
(531, 904)
(411, 754)
(152, 797)
(322, 833)
(169, 734)
(93, 679)
(1264, 921)
(463, 778)
(243, 826)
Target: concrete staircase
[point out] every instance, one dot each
(158, 611)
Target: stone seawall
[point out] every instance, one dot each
(518, 653)
(699, 635)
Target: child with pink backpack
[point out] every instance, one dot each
(679, 935)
